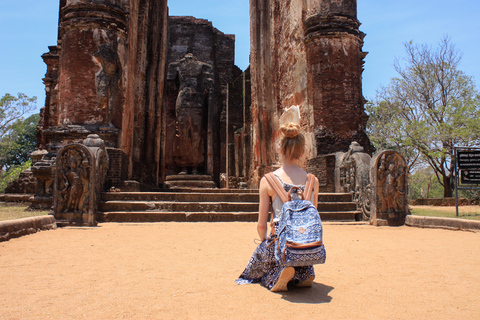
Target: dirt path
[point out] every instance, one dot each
(187, 271)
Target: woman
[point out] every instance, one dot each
(263, 267)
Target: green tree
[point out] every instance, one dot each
(12, 109)
(16, 146)
(431, 108)
(17, 135)
(424, 184)
(385, 134)
(12, 174)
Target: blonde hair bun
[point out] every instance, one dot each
(290, 130)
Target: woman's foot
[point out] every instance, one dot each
(307, 283)
(286, 275)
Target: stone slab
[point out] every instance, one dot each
(190, 184)
(15, 197)
(444, 223)
(178, 216)
(16, 228)
(188, 177)
(173, 206)
(206, 216)
(180, 196)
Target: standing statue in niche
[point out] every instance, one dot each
(107, 78)
(73, 182)
(194, 100)
(391, 184)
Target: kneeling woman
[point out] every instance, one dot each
(263, 267)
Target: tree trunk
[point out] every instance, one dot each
(447, 187)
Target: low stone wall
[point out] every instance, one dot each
(16, 228)
(15, 197)
(442, 223)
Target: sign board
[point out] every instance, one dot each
(469, 176)
(468, 160)
(466, 170)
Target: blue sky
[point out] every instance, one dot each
(28, 27)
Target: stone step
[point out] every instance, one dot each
(200, 190)
(217, 206)
(340, 215)
(172, 206)
(191, 184)
(188, 177)
(205, 205)
(155, 216)
(182, 197)
(234, 195)
(336, 206)
(334, 197)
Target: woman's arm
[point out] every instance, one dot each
(315, 192)
(263, 208)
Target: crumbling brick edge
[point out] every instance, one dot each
(442, 223)
(20, 227)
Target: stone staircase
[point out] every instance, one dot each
(184, 204)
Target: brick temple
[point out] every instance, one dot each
(119, 70)
(137, 100)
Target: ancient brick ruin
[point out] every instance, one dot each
(307, 53)
(115, 72)
(173, 110)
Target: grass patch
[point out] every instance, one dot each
(464, 212)
(12, 212)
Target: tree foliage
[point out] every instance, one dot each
(12, 173)
(16, 147)
(12, 109)
(17, 135)
(424, 184)
(429, 109)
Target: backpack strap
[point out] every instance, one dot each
(309, 186)
(277, 186)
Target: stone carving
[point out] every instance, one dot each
(80, 174)
(73, 167)
(107, 78)
(389, 189)
(43, 169)
(195, 97)
(390, 184)
(354, 171)
(97, 146)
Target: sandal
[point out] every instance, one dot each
(286, 275)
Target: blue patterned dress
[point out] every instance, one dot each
(262, 267)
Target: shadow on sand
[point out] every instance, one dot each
(317, 294)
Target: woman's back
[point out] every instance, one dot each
(291, 174)
(277, 202)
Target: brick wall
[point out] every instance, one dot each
(323, 167)
(117, 169)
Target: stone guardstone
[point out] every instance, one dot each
(189, 181)
(388, 182)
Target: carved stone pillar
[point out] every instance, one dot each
(388, 181)
(79, 177)
(92, 36)
(333, 48)
(49, 113)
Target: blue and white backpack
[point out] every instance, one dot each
(298, 234)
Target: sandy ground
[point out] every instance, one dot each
(187, 271)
